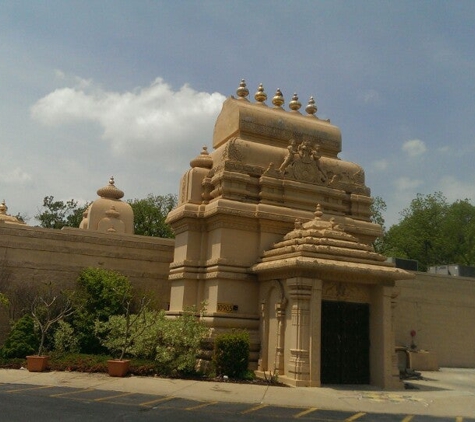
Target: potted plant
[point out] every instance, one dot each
(119, 333)
(48, 307)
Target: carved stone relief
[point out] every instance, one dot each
(345, 292)
(302, 163)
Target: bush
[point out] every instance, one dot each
(64, 339)
(22, 340)
(179, 342)
(172, 343)
(231, 354)
(101, 293)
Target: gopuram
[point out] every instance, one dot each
(273, 233)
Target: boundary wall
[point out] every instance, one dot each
(30, 255)
(441, 310)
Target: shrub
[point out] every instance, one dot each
(179, 342)
(173, 343)
(231, 354)
(101, 293)
(65, 340)
(22, 340)
(121, 332)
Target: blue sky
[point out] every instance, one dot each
(90, 89)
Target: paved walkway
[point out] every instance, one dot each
(448, 392)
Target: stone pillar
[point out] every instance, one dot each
(279, 351)
(300, 293)
(316, 333)
(382, 352)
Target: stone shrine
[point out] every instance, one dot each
(273, 233)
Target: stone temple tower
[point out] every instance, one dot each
(273, 232)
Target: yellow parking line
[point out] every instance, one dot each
(305, 412)
(408, 418)
(113, 397)
(85, 390)
(18, 390)
(253, 409)
(354, 417)
(200, 406)
(160, 400)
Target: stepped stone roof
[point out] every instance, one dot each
(322, 249)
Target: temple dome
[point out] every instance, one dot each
(6, 218)
(108, 214)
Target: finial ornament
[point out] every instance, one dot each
(260, 95)
(318, 212)
(3, 207)
(278, 99)
(242, 92)
(295, 104)
(311, 108)
(110, 191)
(204, 160)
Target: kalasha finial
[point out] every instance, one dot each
(204, 160)
(319, 211)
(3, 207)
(111, 181)
(278, 99)
(311, 108)
(242, 92)
(260, 95)
(295, 104)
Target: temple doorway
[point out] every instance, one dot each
(345, 343)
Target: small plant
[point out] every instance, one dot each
(273, 377)
(120, 332)
(231, 354)
(47, 309)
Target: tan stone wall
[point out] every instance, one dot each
(30, 255)
(441, 309)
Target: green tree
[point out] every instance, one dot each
(59, 214)
(150, 214)
(378, 207)
(434, 232)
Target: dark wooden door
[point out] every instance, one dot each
(345, 343)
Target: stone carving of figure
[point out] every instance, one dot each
(306, 152)
(289, 158)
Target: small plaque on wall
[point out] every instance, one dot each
(227, 307)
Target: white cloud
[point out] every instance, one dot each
(407, 184)
(381, 165)
(371, 96)
(152, 121)
(455, 189)
(16, 176)
(414, 147)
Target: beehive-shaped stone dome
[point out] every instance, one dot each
(108, 214)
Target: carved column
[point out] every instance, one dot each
(279, 351)
(316, 333)
(300, 293)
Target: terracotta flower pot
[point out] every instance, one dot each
(37, 363)
(118, 368)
